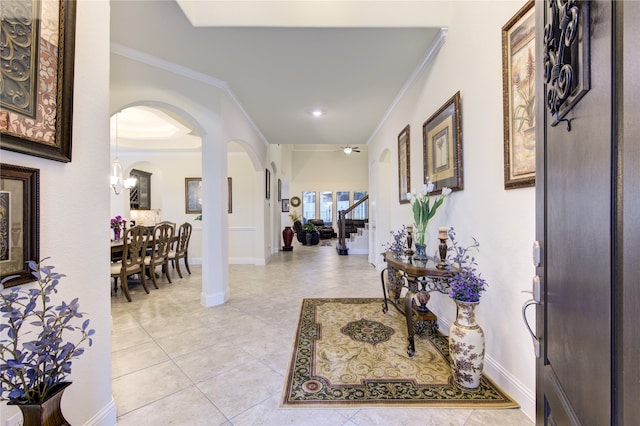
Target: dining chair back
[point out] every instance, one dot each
(134, 250)
(181, 249)
(159, 254)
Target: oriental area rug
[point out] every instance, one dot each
(348, 353)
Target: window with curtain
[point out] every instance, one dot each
(308, 206)
(326, 207)
(359, 212)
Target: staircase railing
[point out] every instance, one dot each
(342, 214)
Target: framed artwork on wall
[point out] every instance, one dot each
(37, 78)
(268, 184)
(279, 190)
(404, 164)
(193, 195)
(229, 194)
(285, 205)
(19, 222)
(442, 147)
(519, 98)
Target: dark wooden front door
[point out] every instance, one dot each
(587, 319)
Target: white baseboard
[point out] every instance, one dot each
(242, 261)
(213, 299)
(507, 382)
(107, 416)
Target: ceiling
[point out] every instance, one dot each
(281, 60)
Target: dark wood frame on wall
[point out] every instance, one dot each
(279, 190)
(268, 184)
(518, 91)
(23, 128)
(442, 131)
(191, 193)
(19, 196)
(229, 196)
(404, 164)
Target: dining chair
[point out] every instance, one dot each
(134, 250)
(159, 256)
(181, 249)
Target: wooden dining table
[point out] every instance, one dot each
(118, 246)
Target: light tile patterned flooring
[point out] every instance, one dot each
(175, 362)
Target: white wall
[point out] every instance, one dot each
(502, 221)
(242, 220)
(74, 217)
(328, 171)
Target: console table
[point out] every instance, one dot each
(419, 279)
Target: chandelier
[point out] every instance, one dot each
(117, 183)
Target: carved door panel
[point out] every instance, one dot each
(588, 225)
(574, 223)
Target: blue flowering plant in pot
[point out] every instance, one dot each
(466, 337)
(38, 339)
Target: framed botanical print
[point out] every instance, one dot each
(519, 98)
(193, 195)
(404, 161)
(442, 147)
(36, 94)
(19, 222)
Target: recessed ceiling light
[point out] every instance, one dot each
(317, 113)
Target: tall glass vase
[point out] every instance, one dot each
(117, 234)
(421, 246)
(466, 346)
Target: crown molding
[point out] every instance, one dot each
(426, 60)
(154, 61)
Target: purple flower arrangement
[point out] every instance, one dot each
(466, 284)
(118, 222)
(35, 355)
(399, 243)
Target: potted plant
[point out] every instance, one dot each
(423, 211)
(294, 216)
(309, 229)
(466, 338)
(35, 350)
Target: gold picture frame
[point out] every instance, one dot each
(519, 90)
(442, 147)
(19, 222)
(404, 164)
(38, 121)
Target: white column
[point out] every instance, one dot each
(215, 274)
